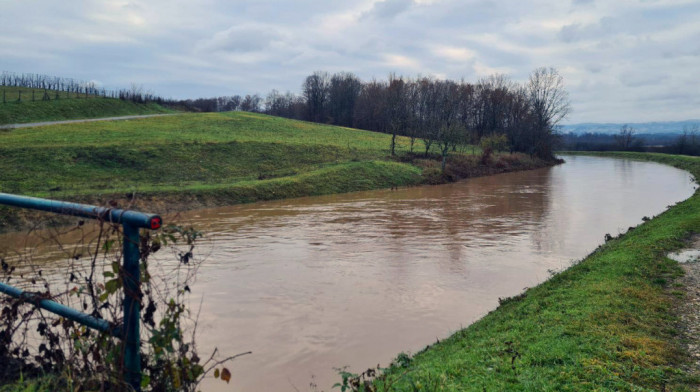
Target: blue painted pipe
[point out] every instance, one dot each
(132, 307)
(61, 310)
(131, 221)
(114, 215)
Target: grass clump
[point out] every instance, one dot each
(604, 324)
(42, 384)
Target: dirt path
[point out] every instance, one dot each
(41, 124)
(689, 309)
(689, 312)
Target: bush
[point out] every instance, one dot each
(497, 142)
(34, 342)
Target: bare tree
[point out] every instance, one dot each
(687, 142)
(315, 91)
(413, 112)
(251, 103)
(397, 109)
(449, 129)
(343, 93)
(428, 120)
(550, 104)
(371, 107)
(625, 138)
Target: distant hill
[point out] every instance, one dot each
(671, 127)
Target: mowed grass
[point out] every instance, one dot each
(604, 324)
(69, 106)
(199, 128)
(184, 152)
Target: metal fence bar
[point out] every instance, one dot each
(113, 215)
(131, 222)
(61, 310)
(132, 307)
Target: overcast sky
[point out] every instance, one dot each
(622, 60)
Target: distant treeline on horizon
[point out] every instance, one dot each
(685, 142)
(648, 128)
(135, 93)
(75, 86)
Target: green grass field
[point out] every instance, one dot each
(68, 106)
(605, 324)
(183, 152)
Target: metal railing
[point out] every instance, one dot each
(131, 222)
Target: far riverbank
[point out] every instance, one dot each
(333, 179)
(194, 160)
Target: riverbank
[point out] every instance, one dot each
(609, 322)
(191, 161)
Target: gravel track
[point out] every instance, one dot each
(41, 124)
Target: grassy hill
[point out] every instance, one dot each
(187, 152)
(64, 106)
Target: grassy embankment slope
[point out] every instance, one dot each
(192, 160)
(68, 106)
(245, 156)
(194, 153)
(605, 324)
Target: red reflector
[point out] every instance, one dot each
(155, 223)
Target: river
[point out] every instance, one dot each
(318, 283)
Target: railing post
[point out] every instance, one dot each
(131, 222)
(132, 307)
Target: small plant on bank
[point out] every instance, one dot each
(491, 144)
(375, 379)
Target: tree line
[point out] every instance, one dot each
(247, 103)
(46, 82)
(686, 142)
(433, 112)
(135, 93)
(79, 88)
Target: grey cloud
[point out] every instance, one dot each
(622, 61)
(594, 68)
(576, 32)
(242, 39)
(387, 9)
(570, 33)
(641, 79)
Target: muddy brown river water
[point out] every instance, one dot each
(318, 283)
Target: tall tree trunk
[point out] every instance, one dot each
(445, 149)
